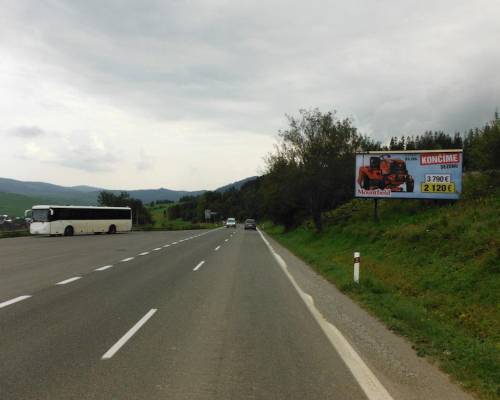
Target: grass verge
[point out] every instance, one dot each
(175, 225)
(16, 233)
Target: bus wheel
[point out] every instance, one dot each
(112, 229)
(68, 231)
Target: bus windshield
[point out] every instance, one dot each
(41, 215)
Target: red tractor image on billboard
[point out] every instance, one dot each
(385, 172)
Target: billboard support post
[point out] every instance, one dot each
(375, 210)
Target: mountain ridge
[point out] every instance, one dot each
(84, 194)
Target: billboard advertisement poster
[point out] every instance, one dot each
(425, 174)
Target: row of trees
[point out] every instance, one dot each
(481, 146)
(140, 214)
(313, 165)
(240, 204)
(428, 141)
(160, 202)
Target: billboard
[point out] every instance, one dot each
(426, 174)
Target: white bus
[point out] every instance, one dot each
(74, 220)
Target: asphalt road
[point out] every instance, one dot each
(168, 315)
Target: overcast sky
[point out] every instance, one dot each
(191, 94)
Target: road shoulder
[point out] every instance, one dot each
(389, 356)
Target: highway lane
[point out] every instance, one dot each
(233, 328)
(217, 314)
(29, 264)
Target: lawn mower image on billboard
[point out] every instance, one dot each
(385, 172)
(415, 174)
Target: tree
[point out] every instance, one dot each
(318, 149)
(140, 214)
(283, 194)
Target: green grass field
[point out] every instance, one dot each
(430, 272)
(161, 221)
(14, 204)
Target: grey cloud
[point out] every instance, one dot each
(27, 132)
(78, 150)
(87, 161)
(145, 161)
(398, 67)
(86, 152)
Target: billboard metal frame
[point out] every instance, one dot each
(381, 152)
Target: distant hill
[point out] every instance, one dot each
(236, 185)
(85, 188)
(42, 192)
(149, 195)
(14, 204)
(47, 190)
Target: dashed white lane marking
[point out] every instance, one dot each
(198, 266)
(14, 300)
(127, 259)
(226, 240)
(125, 338)
(217, 248)
(367, 380)
(103, 268)
(157, 249)
(144, 253)
(166, 245)
(175, 242)
(66, 281)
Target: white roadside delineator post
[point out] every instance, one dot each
(357, 260)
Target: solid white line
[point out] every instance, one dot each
(367, 380)
(103, 268)
(198, 266)
(127, 259)
(125, 338)
(75, 278)
(217, 248)
(14, 300)
(144, 253)
(158, 248)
